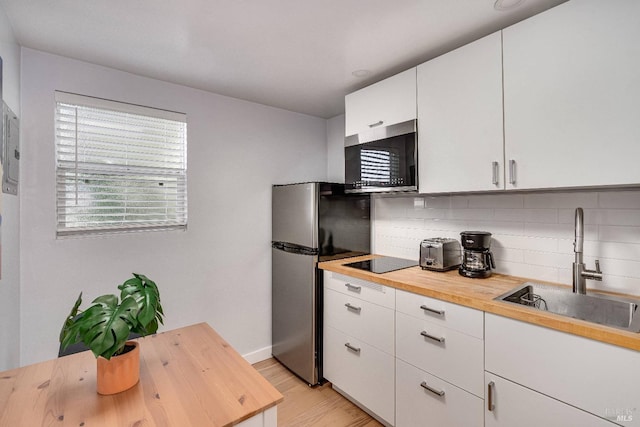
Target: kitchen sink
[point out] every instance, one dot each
(606, 310)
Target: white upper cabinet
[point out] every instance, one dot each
(550, 102)
(385, 103)
(460, 137)
(572, 96)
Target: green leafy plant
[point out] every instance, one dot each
(105, 326)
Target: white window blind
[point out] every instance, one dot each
(119, 167)
(379, 165)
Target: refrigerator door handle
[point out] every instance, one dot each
(294, 249)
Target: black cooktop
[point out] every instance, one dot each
(383, 265)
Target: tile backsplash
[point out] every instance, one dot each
(532, 233)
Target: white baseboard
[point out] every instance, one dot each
(258, 355)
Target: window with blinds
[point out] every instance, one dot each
(119, 167)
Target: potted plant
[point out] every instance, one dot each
(105, 326)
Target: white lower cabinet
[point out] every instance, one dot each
(361, 371)
(444, 352)
(358, 349)
(268, 418)
(454, 366)
(441, 338)
(599, 378)
(369, 322)
(514, 405)
(362, 289)
(439, 363)
(428, 401)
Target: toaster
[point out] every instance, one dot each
(440, 254)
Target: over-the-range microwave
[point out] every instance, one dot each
(382, 159)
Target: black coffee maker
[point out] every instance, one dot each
(477, 260)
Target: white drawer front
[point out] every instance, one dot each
(600, 378)
(463, 319)
(417, 406)
(368, 322)
(366, 375)
(459, 359)
(368, 291)
(514, 405)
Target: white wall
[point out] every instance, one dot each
(533, 233)
(219, 271)
(335, 149)
(10, 281)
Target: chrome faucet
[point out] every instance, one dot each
(580, 272)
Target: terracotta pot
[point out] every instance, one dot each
(119, 373)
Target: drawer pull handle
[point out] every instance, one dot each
(353, 307)
(490, 404)
(352, 348)
(432, 390)
(432, 310)
(432, 337)
(352, 288)
(376, 124)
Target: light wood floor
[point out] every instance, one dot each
(311, 406)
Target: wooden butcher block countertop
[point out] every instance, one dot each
(479, 294)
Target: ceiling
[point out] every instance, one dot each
(294, 54)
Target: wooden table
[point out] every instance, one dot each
(188, 377)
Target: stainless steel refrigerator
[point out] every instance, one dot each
(311, 222)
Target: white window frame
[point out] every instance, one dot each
(125, 171)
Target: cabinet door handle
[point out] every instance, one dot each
(494, 173)
(424, 385)
(512, 172)
(376, 124)
(352, 348)
(490, 403)
(432, 310)
(432, 337)
(352, 288)
(353, 307)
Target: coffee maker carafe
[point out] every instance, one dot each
(477, 259)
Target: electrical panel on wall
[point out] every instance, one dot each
(10, 153)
